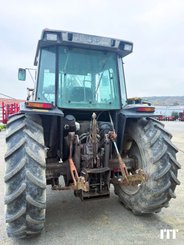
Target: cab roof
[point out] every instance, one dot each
(74, 39)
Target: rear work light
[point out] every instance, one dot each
(51, 36)
(145, 109)
(39, 105)
(128, 47)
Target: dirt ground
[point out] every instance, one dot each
(70, 221)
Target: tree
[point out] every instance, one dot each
(175, 115)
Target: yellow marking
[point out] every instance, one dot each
(40, 110)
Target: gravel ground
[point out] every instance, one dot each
(70, 221)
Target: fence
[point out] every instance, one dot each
(7, 110)
(1, 114)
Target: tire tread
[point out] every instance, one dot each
(24, 136)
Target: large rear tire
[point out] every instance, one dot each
(153, 152)
(25, 194)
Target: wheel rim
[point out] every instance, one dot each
(134, 153)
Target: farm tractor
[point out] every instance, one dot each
(81, 133)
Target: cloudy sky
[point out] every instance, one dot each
(156, 27)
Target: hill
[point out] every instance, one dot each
(165, 100)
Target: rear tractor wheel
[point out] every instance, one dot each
(152, 150)
(25, 194)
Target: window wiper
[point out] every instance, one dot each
(98, 85)
(66, 62)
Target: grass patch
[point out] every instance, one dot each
(2, 126)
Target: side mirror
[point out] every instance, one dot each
(22, 74)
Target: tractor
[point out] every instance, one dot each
(81, 133)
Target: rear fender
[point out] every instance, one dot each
(52, 120)
(129, 112)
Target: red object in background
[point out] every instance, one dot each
(165, 118)
(170, 118)
(8, 110)
(161, 118)
(181, 116)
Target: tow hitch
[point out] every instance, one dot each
(126, 178)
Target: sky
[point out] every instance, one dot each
(156, 27)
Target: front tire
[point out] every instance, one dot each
(25, 181)
(153, 152)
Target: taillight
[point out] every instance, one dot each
(40, 105)
(145, 109)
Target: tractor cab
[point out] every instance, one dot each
(80, 71)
